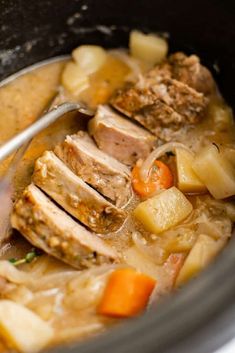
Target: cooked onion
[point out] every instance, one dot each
(157, 153)
(155, 253)
(69, 333)
(12, 274)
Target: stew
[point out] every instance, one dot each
(113, 213)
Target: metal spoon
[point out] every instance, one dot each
(47, 119)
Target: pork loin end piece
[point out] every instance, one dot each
(186, 69)
(75, 196)
(119, 137)
(160, 102)
(189, 70)
(183, 99)
(104, 173)
(169, 96)
(47, 227)
(167, 123)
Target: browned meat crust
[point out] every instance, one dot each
(169, 104)
(168, 96)
(189, 70)
(186, 69)
(178, 96)
(75, 196)
(51, 229)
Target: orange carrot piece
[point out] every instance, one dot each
(126, 294)
(160, 177)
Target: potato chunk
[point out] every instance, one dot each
(216, 171)
(188, 181)
(202, 253)
(22, 328)
(74, 79)
(90, 58)
(163, 211)
(148, 47)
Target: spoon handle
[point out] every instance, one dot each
(47, 119)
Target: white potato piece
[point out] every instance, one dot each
(148, 47)
(22, 328)
(188, 181)
(203, 252)
(216, 172)
(74, 79)
(163, 211)
(90, 58)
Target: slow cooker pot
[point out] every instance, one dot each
(201, 317)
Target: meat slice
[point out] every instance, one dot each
(75, 196)
(166, 103)
(108, 176)
(169, 96)
(51, 229)
(186, 69)
(168, 122)
(189, 70)
(119, 137)
(178, 96)
(182, 99)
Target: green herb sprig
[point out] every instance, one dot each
(29, 257)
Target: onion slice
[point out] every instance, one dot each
(155, 254)
(157, 153)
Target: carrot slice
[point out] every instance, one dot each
(126, 293)
(160, 177)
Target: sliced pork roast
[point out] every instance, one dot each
(51, 229)
(119, 137)
(189, 70)
(186, 69)
(104, 173)
(160, 102)
(75, 196)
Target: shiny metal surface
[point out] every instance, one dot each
(26, 135)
